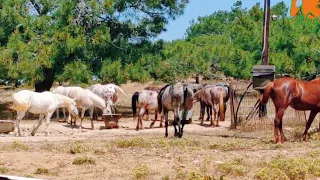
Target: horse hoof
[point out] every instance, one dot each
(161, 126)
(137, 129)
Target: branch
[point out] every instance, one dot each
(115, 46)
(36, 6)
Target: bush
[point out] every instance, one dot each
(76, 72)
(113, 72)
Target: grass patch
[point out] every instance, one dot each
(3, 170)
(141, 171)
(290, 168)
(41, 171)
(99, 152)
(198, 176)
(83, 160)
(78, 149)
(19, 145)
(233, 167)
(134, 142)
(166, 177)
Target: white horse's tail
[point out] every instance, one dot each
(119, 89)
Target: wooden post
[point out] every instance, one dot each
(265, 47)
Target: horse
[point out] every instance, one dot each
(174, 97)
(152, 88)
(299, 95)
(44, 103)
(145, 100)
(85, 100)
(109, 92)
(211, 96)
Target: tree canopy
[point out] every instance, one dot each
(113, 39)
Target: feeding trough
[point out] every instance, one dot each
(6, 126)
(111, 120)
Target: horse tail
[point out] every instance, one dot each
(221, 107)
(160, 97)
(134, 101)
(267, 92)
(185, 94)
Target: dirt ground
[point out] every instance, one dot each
(203, 152)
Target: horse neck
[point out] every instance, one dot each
(63, 101)
(98, 101)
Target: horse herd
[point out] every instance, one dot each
(176, 97)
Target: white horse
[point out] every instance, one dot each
(85, 100)
(44, 103)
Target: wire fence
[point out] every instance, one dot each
(292, 118)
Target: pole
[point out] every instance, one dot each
(266, 23)
(265, 47)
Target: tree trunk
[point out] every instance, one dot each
(47, 82)
(197, 79)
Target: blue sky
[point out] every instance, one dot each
(176, 29)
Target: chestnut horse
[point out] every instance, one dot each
(299, 95)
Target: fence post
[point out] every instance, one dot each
(232, 107)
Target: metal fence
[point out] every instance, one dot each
(292, 118)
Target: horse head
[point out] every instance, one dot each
(72, 107)
(107, 109)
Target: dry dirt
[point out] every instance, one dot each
(125, 153)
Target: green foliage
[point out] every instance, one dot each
(76, 72)
(113, 72)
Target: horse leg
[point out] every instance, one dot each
(69, 116)
(309, 122)
(161, 119)
(215, 118)
(147, 115)
(165, 112)
(183, 122)
(41, 117)
(202, 110)
(83, 110)
(176, 121)
(47, 122)
(20, 115)
(155, 118)
(137, 128)
(142, 110)
(209, 112)
(91, 116)
(57, 114)
(277, 122)
(64, 115)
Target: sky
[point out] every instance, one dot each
(176, 29)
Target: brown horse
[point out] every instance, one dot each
(211, 96)
(299, 95)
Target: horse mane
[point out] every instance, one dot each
(160, 97)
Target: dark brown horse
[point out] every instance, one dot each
(299, 95)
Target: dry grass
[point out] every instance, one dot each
(83, 160)
(140, 171)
